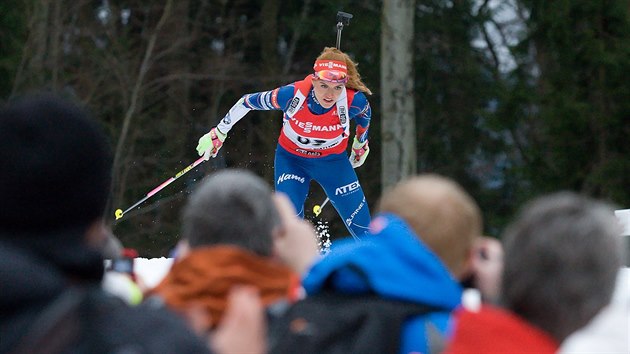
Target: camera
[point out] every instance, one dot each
(124, 263)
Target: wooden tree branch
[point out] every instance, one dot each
(297, 34)
(136, 92)
(490, 44)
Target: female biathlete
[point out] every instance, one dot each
(314, 136)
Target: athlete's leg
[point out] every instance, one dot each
(291, 179)
(338, 179)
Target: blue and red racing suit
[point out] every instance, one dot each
(312, 146)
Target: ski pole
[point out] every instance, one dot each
(343, 18)
(119, 213)
(318, 209)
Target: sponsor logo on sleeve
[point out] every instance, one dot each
(293, 105)
(342, 115)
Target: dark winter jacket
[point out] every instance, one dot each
(38, 305)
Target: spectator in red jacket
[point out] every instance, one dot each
(562, 254)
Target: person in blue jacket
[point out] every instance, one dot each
(314, 136)
(418, 250)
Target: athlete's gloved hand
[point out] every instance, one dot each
(359, 152)
(210, 143)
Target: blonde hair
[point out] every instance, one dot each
(440, 213)
(354, 78)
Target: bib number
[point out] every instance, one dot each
(310, 142)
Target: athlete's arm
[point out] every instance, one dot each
(361, 112)
(276, 99)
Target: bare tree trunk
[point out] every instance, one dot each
(55, 41)
(40, 37)
(269, 36)
(397, 92)
(297, 35)
(265, 134)
(31, 66)
(136, 93)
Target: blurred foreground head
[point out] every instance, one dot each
(441, 214)
(562, 255)
(231, 207)
(56, 169)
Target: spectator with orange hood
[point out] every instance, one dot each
(227, 241)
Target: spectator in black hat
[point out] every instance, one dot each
(56, 167)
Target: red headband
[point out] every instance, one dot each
(326, 64)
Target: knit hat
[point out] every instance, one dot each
(54, 184)
(56, 166)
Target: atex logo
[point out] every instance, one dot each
(289, 176)
(347, 188)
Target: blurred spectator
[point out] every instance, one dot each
(227, 240)
(609, 331)
(295, 242)
(562, 254)
(484, 273)
(417, 250)
(243, 328)
(113, 247)
(120, 277)
(56, 168)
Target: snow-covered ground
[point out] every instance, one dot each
(624, 219)
(152, 270)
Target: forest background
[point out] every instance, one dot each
(511, 98)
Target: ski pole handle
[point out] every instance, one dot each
(318, 209)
